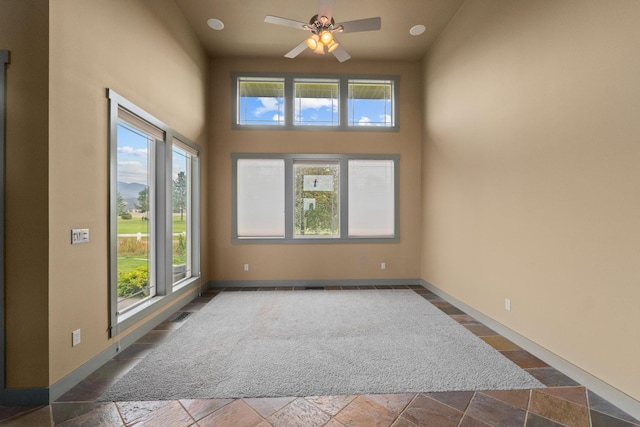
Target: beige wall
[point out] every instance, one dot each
(144, 51)
(531, 171)
(26, 260)
(322, 261)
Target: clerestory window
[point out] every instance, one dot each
(303, 102)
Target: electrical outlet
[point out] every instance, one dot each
(507, 304)
(246, 267)
(75, 338)
(383, 266)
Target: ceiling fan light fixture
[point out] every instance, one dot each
(319, 50)
(312, 41)
(326, 37)
(332, 46)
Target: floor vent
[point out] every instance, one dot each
(314, 288)
(182, 316)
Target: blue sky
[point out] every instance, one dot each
(133, 156)
(324, 111)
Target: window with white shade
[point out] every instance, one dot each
(260, 201)
(371, 198)
(313, 198)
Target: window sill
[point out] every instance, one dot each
(154, 304)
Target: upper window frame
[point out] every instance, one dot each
(289, 99)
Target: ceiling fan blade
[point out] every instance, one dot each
(297, 50)
(270, 19)
(341, 54)
(368, 24)
(326, 8)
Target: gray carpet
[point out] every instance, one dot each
(308, 343)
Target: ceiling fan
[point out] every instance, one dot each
(322, 27)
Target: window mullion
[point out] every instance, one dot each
(344, 104)
(288, 198)
(288, 102)
(344, 197)
(162, 219)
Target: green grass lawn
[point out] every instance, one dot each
(128, 263)
(137, 225)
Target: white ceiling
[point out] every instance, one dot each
(246, 34)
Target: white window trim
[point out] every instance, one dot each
(289, 238)
(165, 291)
(289, 100)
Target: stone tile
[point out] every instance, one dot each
(103, 415)
(113, 369)
(168, 325)
(266, 406)
(524, 359)
(431, 297)
(551, 377)
(456, 399)
(363, 411)
(40, 417)
(193, 307)
(200, 408)
(481, 330)
(517, 398)
(465, 319)
(468, 421)
(598, 419)
(301, 413)
(131, 411)
(576, 395)
(331, 404)
(403, 422)
(500, 343)
(601, 405)
(264, 423)
(153, 337)
(425, 411)
(63, 411)
(235, 414)
(171, 414)
(393, 402)
(559, 410)
(534, 420)
(332, 423)
(495, 412)
(7, 412)
(136, 351)
(88, 390)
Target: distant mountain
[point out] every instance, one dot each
(130, 189)
(129, 192)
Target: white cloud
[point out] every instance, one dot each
(385, 118)
(134, 151)
(278, 118)
(132, 171)
(364, 121)
(316, 103)
(268, 104)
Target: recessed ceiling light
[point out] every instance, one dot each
(216, 24)
(416, 30)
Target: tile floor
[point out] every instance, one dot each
(563, 403)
